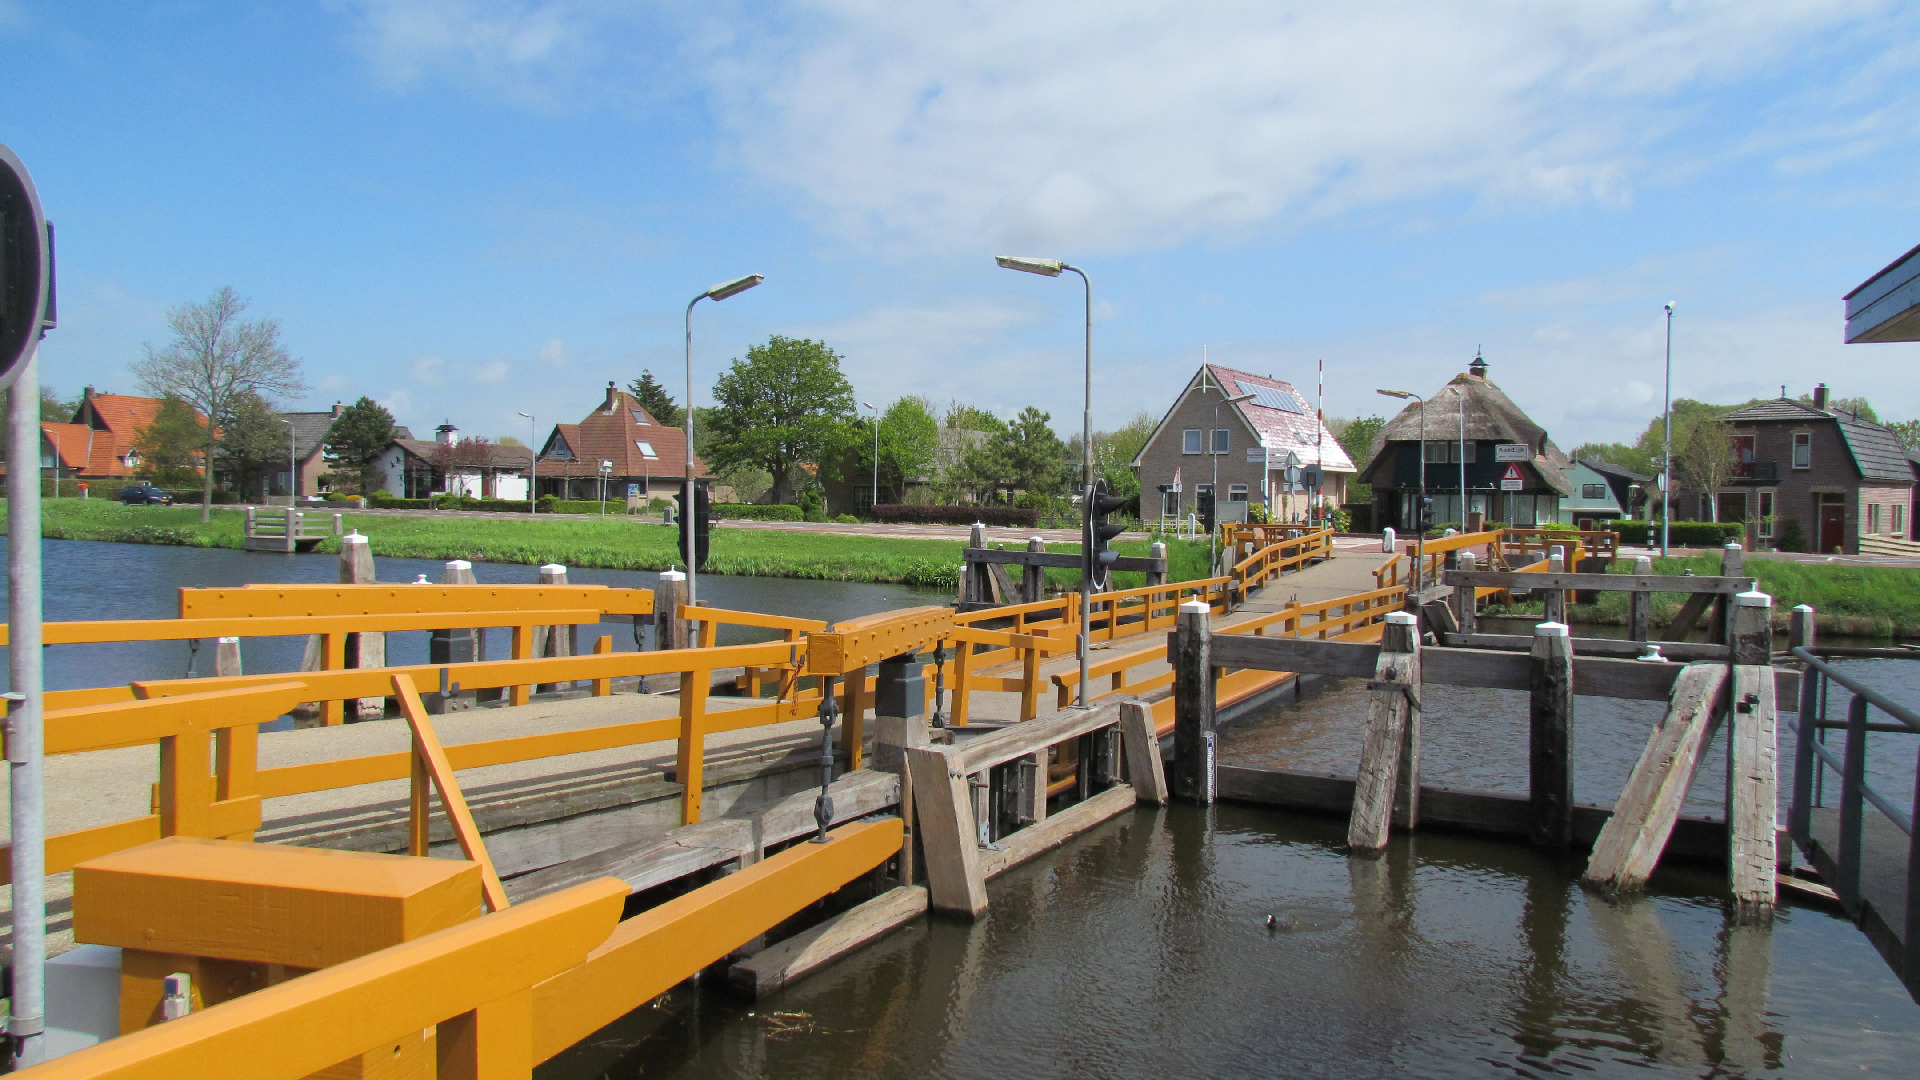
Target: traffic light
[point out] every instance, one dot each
(1099, 531)
(1426, 513)
(1205, 502)
(702, 524)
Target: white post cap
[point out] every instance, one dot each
(459, 564)
(229, 641)
(1401, 618)
(672, 575)
(421, 579)
(1755, 598)
(1734, 545)
(353, 538)
(979, 524)
(1197, 607)
(1550, 629)
(1808, 608)
(553, 568)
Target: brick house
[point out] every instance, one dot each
(416, 468)
(1836, 476)
(97, 446)
(1513, 472)
(1250, 441)
(647, 457)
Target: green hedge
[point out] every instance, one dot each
(757, 511)
(192, 495)
(380, 500)
(1682, 533)
(551, 505)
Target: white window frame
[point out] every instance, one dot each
(1873, 518)
(1766, 515)
(1899, 521)
(1192, 440)
(1803, 449)
(1236, 493)
(1593, 491)
(1222, 440)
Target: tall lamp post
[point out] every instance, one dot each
(717, 293)
(1053, 268)
(293, 467)
(876, 456)
(1420, 534)
(533, 467)
(1666, 443)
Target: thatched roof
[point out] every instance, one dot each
(1491, 416)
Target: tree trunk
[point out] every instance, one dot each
(206, 477)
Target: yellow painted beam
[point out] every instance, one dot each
(427, 748)
(81, 633)
(267, 601)
(858, 643)
(651, 952)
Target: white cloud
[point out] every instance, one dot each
(488, 374)
(553, 354)
(430, 371)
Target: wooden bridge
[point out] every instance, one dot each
(288, 530)
(614, 847)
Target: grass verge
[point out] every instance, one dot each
(615, 544)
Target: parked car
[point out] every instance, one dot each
(145, 494)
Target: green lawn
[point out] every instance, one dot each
(611, 543)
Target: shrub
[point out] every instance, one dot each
(847, 519)
(192, 495)
(1003, 516)
(343, 497)
(380, 500)
(1683, 533)
(1790, 537)
(1341, 519)
(757, 511)
(550, 504)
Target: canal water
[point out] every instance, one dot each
(1141, 948)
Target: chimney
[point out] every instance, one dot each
(446, 434)
(1820, 397)
(86, 394)
(612, 395)
(1478, 369)
(338, 409)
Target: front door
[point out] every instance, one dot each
(1833, 527)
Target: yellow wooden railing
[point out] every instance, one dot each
(1279, 557)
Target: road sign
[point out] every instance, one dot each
(26, 268)
(1512, 451)
(1256, 455)
(633, 491)
(1511, 480)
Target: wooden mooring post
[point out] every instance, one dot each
(1753, 769)
(1465, 602)
(1390, 756)
(1639, 602)
(1550, 735)
(669, 592)
(1194, 751)
(1556, 599)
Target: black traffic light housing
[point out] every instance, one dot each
(1425, 514)
(1204, 502)
(702, 523)
(1099, 531)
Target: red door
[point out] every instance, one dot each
(1833, 527)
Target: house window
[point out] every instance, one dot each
(1593, 491)
(1220, 440)
(1803, 449)
(1437, 452)
(1766, 515)
(1899, 520)
(1873, 517)
(1170, 504)
(1236, 493)
(1190, 441)
(640, 417)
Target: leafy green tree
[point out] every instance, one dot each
(1627, 457)
(359, 435)
(982, 469)
(1907, 431)
(253, 442)
(1856, 405)
(169, 446)
(1033, 453)
(214, 358)
(784, 406)
(654, 398)
(970, 418)
(909, 441)
(1356, 435)
(1114, 451)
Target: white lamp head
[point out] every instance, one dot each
(1026, 264)
(734, 287)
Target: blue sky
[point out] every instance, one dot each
(466, 209)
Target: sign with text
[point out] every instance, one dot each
(1511, 480)
(1256, 455)
(1512, 451)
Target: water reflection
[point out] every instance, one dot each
(1142, 950)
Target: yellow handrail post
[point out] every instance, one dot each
(236, 766)
(333, 657)
(186, 785)
(602, 645)
(522, 650)
(427, 748)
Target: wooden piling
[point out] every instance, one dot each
(1193, 704)
(1753, 770)
(1639, 604)
(1556, 599)
(893, 736)
(1550, 737)
(1630, 843)
(669, 592)
(1392, 737)
(554, 640)
(1464, 601)
(1033, 578)
(1733, 563)
(363, 650)
(226, 658)
(1158, 553)
(1142, 738)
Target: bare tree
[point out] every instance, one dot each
(1704, 453)
(214, 358)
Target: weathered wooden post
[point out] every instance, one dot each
(1464, 601)
(363, 650)
(454, 646)
(553, 640)
(1033, 576)
(1803, 633)
(1556, 599)
(1753, 766)
(1639, 602)
(1390, 756)
(226, 657)
(1193, 734)
(669, 592)
(1733, 563)
(1158, 553)
(900, 722)
(976, 582)
(1550, 737)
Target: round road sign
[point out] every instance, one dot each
(26, 268)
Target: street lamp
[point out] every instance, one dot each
(533, 471)
(1420, 533)
(1214, 453)
(717, 293)
(1666, 447)
(606, 472)
(876, 456)
(1053, 268)
(293, 469)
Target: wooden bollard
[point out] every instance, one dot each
(1390, 754)
(363, 650)
(554, 640)
(1463, 598)
(976, 582)
(1556, 599)
(1193, 688)
(226, 658)
(1158, 553)
(1033, 578)
(1733, 563)
(1639, 603)
(1550, 737)
(669, 592)
(1753, 775)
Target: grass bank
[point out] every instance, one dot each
(1864, 601)
(613, 543)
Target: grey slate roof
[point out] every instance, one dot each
(1608, 468)
(1490, 416)
(1877, 452)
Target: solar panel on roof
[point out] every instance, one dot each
(1270, 398)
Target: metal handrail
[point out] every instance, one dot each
(1893, 813)
(1880, 701)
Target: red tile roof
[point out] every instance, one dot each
(614, 432)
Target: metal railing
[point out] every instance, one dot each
(1811, 760)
